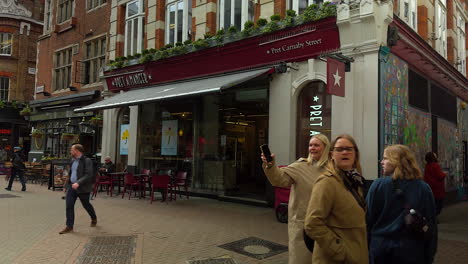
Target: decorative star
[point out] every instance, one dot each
(316, 98)
(337, 78)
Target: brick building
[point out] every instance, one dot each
(20, 27)
(71, 52)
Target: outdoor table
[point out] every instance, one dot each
(117, 177)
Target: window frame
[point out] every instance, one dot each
(61, 12)
(48, 15)
(186, 21)
(10, 48)
(441, 27)
(96, 61)
(246, 15)
(66, 67)
(411, 18)
(94, 4)
(461, 43)
(3, 90)
(295, 4)
(139, 19)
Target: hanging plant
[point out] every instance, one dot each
(96, 120)
(69, 136)
(26, 111)
(37, 134)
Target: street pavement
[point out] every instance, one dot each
(177, 232)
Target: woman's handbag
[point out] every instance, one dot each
(309, 242)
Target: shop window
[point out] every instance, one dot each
(179, 17)
(65, 10)
(5, 43)
(4, 88)
(235, 13)
(91, 4)
(418, 91)
(95, 59)
(443, 104)
(441, 27)
(123, 126)
(63, 65)
(313, 115)
(134, 27)
(461, 59)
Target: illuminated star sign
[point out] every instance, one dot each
(316, 98)
(337, 78)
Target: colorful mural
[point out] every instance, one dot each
(449, 153)
(418, 134)
(394, 97)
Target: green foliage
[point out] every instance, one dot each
(271, 27)
(289, 21)
(275, 18)
(144, 52)
(220, 32)
(291, 13)
(169, 46)
(26, 111)
(146, 58)
(200, 44)
(232, 30)
(152, 50)
(248, 25)
(179, 44)
(208, 35)
(188, 42)
(262, 22)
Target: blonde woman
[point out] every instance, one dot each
(336, 212)
(390, 200)
(300, 176)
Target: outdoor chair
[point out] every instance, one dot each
(162, 182)
(132, 183)
(102, 180)
(181, 181)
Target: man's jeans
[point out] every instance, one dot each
(20, 173)
(72, 195)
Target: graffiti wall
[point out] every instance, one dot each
(418, 134)
(449, 153)
(394, 98)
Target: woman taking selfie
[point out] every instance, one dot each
(300, 176)
(396, 205)
(335, 216)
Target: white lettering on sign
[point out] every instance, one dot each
(315, 117)
(131, 80)
(298, 45)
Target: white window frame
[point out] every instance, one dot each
(67, 13)
(186, 20)
(94, 4)
(245, 15)
(48, 15)
(7, 47)
(136, 18)
(410, 15)
(4, 92)
(441, 27)
(461, 45)
(94, 61)
(295, 4)
(63, 70)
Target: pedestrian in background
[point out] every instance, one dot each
(300, 176)
(79, 186)
(389, 204)
(435, 177)
(335, 216)
(18, 169)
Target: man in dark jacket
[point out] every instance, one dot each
(79, 186)
(18, 169)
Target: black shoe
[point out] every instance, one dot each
(8, 189)
(23, 189)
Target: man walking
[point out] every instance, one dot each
(18, 169)
(79, 186)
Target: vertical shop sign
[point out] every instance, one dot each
(124, 137)
(169, 137)
(335, 77)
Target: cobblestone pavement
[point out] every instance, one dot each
(172, 233)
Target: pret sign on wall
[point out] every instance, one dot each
(292, 44)
(313, 115)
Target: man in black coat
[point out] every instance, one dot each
(79, 186)
(18, 169)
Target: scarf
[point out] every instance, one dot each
(353, 180)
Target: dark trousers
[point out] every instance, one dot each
(72, 195)
(439, 203)
(20, 173)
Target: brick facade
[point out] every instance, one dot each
(85, 25)
(19, 66)
(422, 22)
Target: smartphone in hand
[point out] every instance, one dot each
(266, 152)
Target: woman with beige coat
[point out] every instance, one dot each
(335, 216)
(300, 176)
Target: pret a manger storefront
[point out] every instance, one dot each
(208, 111)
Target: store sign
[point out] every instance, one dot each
(32, 70)
(169, 137)
(131, 80)
(315, 117)
(5, 131)
(124, 137)
(287, 45)
(40, 89)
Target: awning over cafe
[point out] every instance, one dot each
(178, 89)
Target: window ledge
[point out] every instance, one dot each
(66, 25)
(44, 36)
(96, 8)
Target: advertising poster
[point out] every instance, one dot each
(124, 137)
(169, 138)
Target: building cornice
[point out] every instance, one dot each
(22, 18)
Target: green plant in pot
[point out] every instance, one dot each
(26, 111)
(248, 28)
(96, 120)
